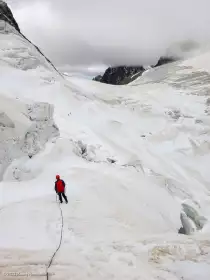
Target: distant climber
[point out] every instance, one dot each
(60, 189)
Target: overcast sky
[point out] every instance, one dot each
(111, 32)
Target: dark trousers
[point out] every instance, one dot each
(64, 196)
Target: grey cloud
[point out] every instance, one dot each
(112, 32)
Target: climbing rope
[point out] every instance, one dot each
(59, 245)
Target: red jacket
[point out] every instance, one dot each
(59, 186)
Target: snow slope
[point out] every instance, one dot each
(130, 156)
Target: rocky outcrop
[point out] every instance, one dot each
(165, 60)
(121, 75)
(7, 16)
(98, 78)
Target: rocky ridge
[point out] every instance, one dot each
(7, 17)
(122, 75)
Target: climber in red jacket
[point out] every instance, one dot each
(60, 189)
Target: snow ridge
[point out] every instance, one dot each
(6, 17)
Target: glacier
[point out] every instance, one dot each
(133, 157)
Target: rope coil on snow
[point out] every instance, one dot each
(59, 245)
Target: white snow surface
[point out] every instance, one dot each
(130, 156)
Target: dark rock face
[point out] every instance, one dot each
(6, 15)
(121, 75)
(182, 231)
(97, 78)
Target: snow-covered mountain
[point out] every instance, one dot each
(134, 159)
(123, 75)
